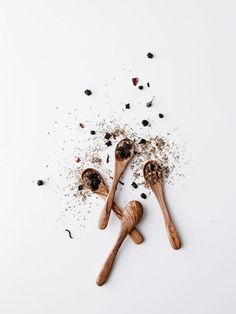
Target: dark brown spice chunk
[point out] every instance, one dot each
(40, 182)
(127, 106)
(144, 122)
(134, 185)
(150, 55)
(135, 81)
(140, 87)
(142, 141)
(161, 115)
(108, 143)
(88, 92)
(143, 195)
(107, 136)
(81, 125)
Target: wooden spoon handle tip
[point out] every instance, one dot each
(104, 273)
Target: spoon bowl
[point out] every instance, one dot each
(123, 153)
(153, 174)
(94, 181)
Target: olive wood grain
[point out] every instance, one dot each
(102, 191)
(120, 165)
(131, 216)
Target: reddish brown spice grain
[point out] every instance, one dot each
(81, 125)
(135, 81)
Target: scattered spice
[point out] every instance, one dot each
(107, 136)
(140, 87)
(145, 122)
(78, 159)
(92, 132)
(148, 84)
(108, 143)
(142, 141)
(143, 195)
(134, 185)
(88, 92)
(108, 158)
(80, 187)
(161, 115)
(150, 55)
(40, 182)
(81, 125)
(69, 233)
(127, 106)
(135, 81)
(149, 103)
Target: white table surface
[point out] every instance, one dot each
(51, 51)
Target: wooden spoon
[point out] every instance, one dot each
(131, 216)
(153, 175)
(123, 154)
(93, 180)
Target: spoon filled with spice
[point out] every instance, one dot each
(153, 174)
(131, 216)
(123, 153)
(94, 181)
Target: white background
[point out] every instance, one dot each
(50, 51)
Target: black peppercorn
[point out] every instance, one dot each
(127, 106)
(134, 185)
(80, 187)
(140, 87)
(40, 182)
(92, 132)
(88, 92)
(144, 122)
(150, 55)
(143, 195)
(161, 115)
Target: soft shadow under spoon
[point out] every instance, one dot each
(123, 153)
(93, 180)
(153, 175)
(131, 216)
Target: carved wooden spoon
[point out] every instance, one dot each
(131, 216)
(153, 175)
(93, 180)
(123, 154)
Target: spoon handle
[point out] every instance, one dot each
(171, 230)
(105, 215)
(104, 273)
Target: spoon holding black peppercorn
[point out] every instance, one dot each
(153, 176)
(123, 154)
(94, 181)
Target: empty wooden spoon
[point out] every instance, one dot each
(153, 175)
(123, 153)
(131, 216)
(93, 180)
